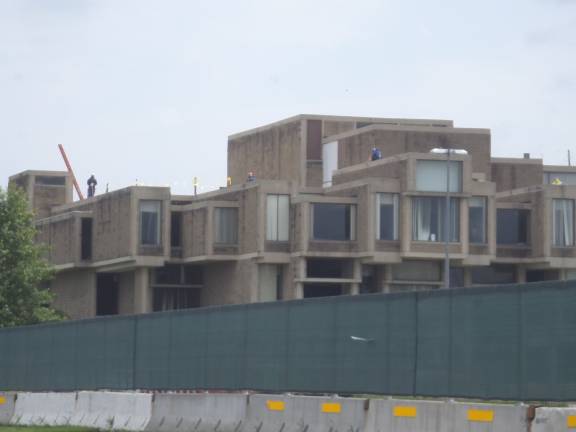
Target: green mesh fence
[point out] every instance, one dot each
(514, 342)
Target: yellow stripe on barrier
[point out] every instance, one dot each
(571, 421)
(2, 400)
(274, 405)
(404, 411)
(334, 408)
(481, 415)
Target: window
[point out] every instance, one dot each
(172, 298)
(494, 274)
(477, 219)
(431, 176)
(150, 222)
(333, 221)
(512, 226)
(86, 238)
(50, 181)
(269, 282)
(387, 216)
(277, 217)
(428, 219)
(176, 229)
(430, 271)
(563, 222)
(563, 178)
(226, 225)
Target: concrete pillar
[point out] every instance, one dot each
(356, 274)
(142, 291)
(520, 274)
(405, 223)
(300, 273)
(467, 277)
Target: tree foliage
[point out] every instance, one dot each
(23, 269)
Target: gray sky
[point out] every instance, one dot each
(150, 90)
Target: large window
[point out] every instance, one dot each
(431, 175)
(277, 217)
(150, 222)
(428, 219)
(512, 226)
(334, 221)
(563, 222)
(387, 216)
(226, 225)
(477, 219)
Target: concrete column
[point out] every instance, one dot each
(370, 228)
(491, 225)
(209, 248)
(467, 277)
(520, 274)
(142, 291)
(405, 223)
(300, 273)
(356, 274)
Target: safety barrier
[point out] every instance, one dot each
(554, 420)
(274, 413)
(7, 401)
(44, 409)
(393, 415)
(198, 412)
(113, 410)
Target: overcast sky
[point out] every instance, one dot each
(150, 90)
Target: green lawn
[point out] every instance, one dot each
(43, 429)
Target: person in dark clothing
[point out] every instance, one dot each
(92, 186)
(376, 154)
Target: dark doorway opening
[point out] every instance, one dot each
(107, 294)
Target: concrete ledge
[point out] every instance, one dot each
(44, 409)
(198, 412)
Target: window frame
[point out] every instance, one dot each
(553, 217)
(422, 184)
(217, 222)
(484, 219)
(352, 231)
(395, 214)
(280, 235)
(457, 223)
(158, 228)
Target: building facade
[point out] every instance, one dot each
(319, 219)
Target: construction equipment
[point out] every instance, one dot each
(69, 167)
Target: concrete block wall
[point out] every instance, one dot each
(243, 412)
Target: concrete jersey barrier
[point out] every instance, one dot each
(275, 413)
(554, 419)
(7, 402)
(394, 415)
(488, 417)
(113, 410)
(198, 412)
(44, 409)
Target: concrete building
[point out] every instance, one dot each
(319, 219)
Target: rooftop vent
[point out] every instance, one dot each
(526, 155)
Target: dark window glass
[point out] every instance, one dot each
(170, 274)
(176, 229)
(322, 290)
(325, 268)
(86, 238)
(494, 274)
(477, 219)
(512, 226)
(150, 222)
(175, 298)
(387, 216)
(456, 277)
(542, 275)
(333, 222)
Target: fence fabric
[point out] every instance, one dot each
(514, 342)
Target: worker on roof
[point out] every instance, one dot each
(251, 176)
(376, 154)
(557, 181)
(92, 186)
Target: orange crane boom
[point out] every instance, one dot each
(67, 162)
